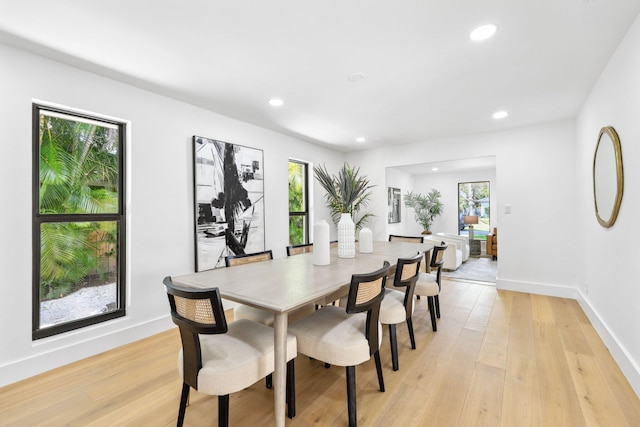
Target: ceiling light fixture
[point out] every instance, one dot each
(435, 169)
(483, 32)
(500, 115)
(361, 139)
(276, 102)
(356, 77)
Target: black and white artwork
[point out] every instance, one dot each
(229, 201)
(393, 204)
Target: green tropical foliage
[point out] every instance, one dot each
(346, 192)
(296, 203)
(78, 172)
(427, 207)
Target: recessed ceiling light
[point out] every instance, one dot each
(356, 77)
(435, 169)
(361, 139)
(483, 32)
(276, 102)
(500, 114)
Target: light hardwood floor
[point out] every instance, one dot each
(498, 359)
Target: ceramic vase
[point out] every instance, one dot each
(366, 240)
(346, 237)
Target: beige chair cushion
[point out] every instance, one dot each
(236, 360)
(333, 336)
(266, 318)
(392, 310)
(427, 285)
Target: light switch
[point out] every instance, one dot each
(507, 209)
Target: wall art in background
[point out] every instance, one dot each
(229, 201)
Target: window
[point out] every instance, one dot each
(78, 220)
(298, 203)
(473, 199)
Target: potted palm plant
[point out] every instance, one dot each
(426, 207)
(346, 193)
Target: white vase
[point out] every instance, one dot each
(346, 237)
(366, 240)
(321, 245)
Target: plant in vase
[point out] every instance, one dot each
(347, 193)
(426, 207)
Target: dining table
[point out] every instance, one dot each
(282, 285)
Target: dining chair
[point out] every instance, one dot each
(306, 248)
(299, 249)
(217, 358)
(429, 284)
(242, 311)
(347, 336)
(410, 239)
(397, 305)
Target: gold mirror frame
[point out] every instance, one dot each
(608, 135)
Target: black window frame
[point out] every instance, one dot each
(38, 219)
(304, 213)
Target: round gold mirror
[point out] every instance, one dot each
(608, 178)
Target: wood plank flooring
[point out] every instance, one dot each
(499, 358)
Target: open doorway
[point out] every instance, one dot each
(446, 177)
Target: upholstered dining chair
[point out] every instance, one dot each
(299, 249)
(306, 248)
(347, 337)
(242, 311)
(219, 358)
(397, 305)
(429, 284)
(410, 239)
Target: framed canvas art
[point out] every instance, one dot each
(393, 204)
(229, 201)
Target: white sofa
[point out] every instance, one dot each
(461, 241)
(453, 254)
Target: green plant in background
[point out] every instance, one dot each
(296, 203)
(78, 175)
(347, 192)
(426, 207)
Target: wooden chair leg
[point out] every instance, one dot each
(411, 336)
(223, 411)
(437, 299)
(351, 396)
(376, 357)
(268, 381)
(394, 346)
(432, 312)
(291, 389)
(183, 404)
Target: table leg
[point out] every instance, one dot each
(280, 366)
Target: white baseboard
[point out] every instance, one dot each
(627, 365)
(537, 288)
(64, 354)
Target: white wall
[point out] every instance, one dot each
(447, 184)
(404, 181)
(535, 171)
(609, 277)
(161, 212)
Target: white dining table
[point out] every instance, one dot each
(282, 285)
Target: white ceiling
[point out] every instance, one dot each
(423, 77)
